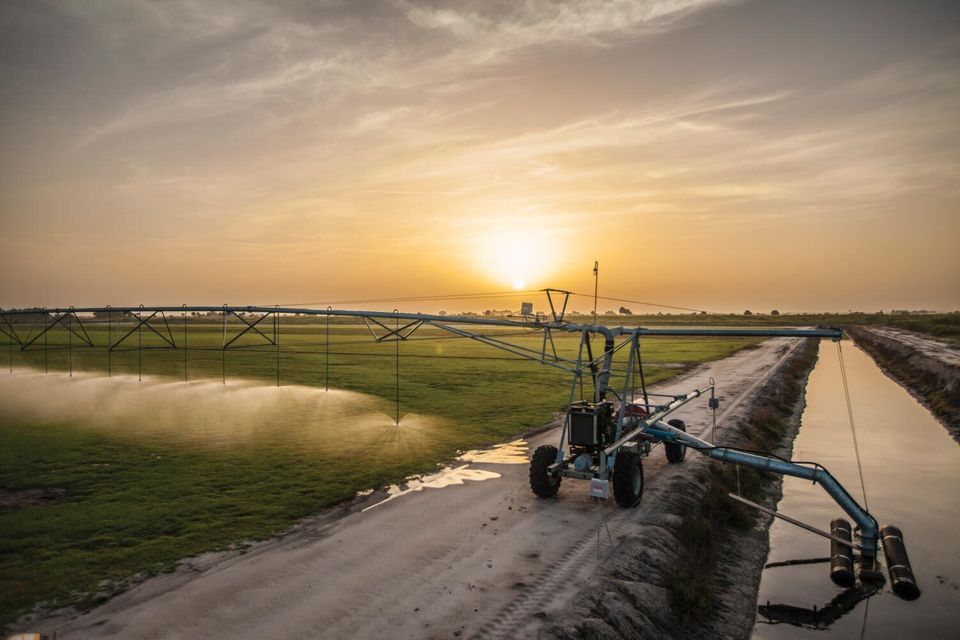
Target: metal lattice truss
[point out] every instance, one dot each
(27, 328)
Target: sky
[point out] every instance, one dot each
(715, 154)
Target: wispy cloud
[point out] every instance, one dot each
(269, 130)
(271, 61)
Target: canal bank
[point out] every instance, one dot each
(927, 368)
(692, 567)
(911, 471)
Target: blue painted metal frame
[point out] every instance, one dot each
(652, 425)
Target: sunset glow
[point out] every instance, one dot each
(518, 259)
(258, 153)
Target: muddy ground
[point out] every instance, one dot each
(927, 368)
(469, 552)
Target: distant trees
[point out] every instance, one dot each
(748, 312)
(625, 312)
(609, 312)
(774, 313)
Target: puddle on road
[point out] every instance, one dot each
(514, 452)
(446, 477)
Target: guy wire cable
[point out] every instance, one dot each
(649, 304)
(853, 430)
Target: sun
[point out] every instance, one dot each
(515, 258)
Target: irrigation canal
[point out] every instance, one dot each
(911, 468)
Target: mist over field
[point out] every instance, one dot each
(203, 413)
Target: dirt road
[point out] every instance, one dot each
(468, 553)
(927, 368)
(930, 347)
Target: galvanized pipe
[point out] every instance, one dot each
(656, 419)
(869, 533)
(577, 377)
(868, 526)
(610, 332)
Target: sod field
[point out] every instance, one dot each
(156, 471)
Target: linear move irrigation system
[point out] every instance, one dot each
(603, 439)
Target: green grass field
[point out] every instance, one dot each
(147, 486)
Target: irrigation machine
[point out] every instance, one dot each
(604, 439)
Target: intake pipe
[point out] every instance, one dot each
(603, 379)
(898, 564)
(869, 529)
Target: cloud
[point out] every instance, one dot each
(255, 56)
(294, 132)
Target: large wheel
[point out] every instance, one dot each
(543, 483)
(676, 452)
(627, 479)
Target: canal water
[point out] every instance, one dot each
(911, 469)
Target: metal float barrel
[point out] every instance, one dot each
(898, 564)
(841, 555)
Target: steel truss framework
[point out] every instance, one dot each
(160, 321)
(598, 369)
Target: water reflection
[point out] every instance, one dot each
(446, 477)
(514, 452)
(911, 468)
(817, 618)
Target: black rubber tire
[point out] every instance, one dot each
(627, 479)
(676, 452)
(543, 484)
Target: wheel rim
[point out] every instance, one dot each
(637, 480)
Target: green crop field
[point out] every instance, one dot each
(161, 470)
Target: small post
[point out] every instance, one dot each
(397, 339)
(185, 377)
(140, 345)
(714, 404)
(596, 287)
(327, 347)
(46, 328)
(276, 338)
(223, 348)
(643, 380)
(11, 354)
(109, 342)
(70, 342)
